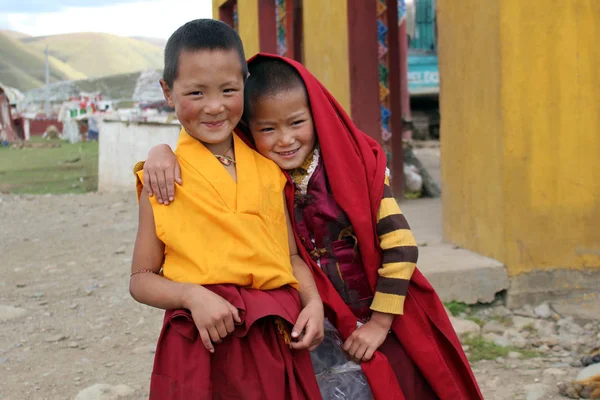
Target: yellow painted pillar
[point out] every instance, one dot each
(325, 40)
(520, 133)
(247, 23)
(216, 5)
(326, 45)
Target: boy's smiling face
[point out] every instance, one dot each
(208, 93)
(282, 127)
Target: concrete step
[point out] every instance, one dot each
(585, 307)
(456, 274)
(461, 275)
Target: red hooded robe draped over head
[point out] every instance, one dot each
(355, 165)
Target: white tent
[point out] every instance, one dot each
(14, 95)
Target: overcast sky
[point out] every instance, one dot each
(150, 18)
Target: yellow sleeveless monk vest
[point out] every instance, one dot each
(218, 231)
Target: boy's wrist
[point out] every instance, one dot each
(158, 151)
(189, 294)
(311, 301)
(163, 146)
(310, 296)
(383, 319)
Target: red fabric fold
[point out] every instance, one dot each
(253, 363)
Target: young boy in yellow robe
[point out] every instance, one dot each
(223, 260)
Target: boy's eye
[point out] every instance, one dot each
(195, 93)
(267, 130)
(298, 122)
(230, 90)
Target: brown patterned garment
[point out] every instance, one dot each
(328, 235)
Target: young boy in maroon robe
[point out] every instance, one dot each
(223, 260)
(351, 232)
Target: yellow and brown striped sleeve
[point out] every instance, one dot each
(400, 255)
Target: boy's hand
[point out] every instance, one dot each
(366, 340)
(214, 316)
(309, 330)
(161, 171)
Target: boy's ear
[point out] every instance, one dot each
(167, 93)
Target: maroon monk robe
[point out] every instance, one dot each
(253, 363)
(326, 232)
(355, 165)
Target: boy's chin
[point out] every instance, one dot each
(210, 137)
(288, 164)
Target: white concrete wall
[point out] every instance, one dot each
(122, 144)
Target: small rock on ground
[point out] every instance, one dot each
(103, 391)
(544, 311)
(465, 328)
(9, 312)
(536, 391)
(588, 372)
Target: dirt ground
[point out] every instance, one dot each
(66, 260)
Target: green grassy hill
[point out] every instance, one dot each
(24, 68)
(100, 54)
(14, 34)
(155, 41)
(73, 56)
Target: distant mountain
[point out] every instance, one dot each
(74, 56)
(155, 41)
(14, 34)
(100, 54)
(24, 68)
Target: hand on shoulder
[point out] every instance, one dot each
(161, 171)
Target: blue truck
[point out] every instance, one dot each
(423, 73)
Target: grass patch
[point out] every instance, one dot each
(481, 349)
(456, 308)
(69, 168)
(504, 320)
(529, 353)
(529, 328)
(478, 321)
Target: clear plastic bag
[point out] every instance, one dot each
(338, 377)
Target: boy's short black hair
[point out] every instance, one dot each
(201, 34)
(268, 77)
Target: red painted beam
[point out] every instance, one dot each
(364, 67)
(226, 12)
(397, 165)
(267, 27)
(298, 31)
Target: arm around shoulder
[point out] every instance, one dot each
(161, 172)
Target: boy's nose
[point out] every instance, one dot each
(286, 140)
(214, 108)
